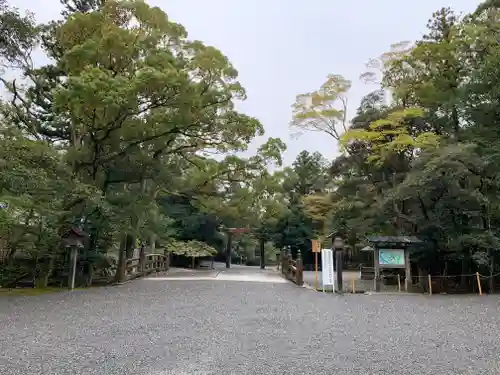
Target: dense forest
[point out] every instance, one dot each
(129, 131)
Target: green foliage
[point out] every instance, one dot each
(116, 135)
(323, 110)
(426, 164)
(17, 36)
(191, 249)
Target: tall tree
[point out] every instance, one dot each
(323, 110)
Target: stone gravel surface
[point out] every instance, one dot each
(158, 327)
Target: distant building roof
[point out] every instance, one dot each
(393, 239)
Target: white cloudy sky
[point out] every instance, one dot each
(285, 47)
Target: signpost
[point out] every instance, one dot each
(327, 268)
(316, 248)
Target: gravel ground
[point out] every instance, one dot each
(157, 327)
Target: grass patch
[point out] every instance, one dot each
(31, 291)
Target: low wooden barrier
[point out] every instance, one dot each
(151, 263)
(292, 269)
(367, 273)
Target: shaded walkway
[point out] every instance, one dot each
(232, 327)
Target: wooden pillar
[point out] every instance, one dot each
(73, 256)
(408, 281)
(228, 249)
(167, 259)
(284, 259)
(339, 262)
(121, 270)
(376, 266)
(262, 242)
(288, 260)
(142, 258)
(300, 269)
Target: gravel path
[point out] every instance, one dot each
(158, 327)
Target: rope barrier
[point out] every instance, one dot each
(487, 277)
(459, 275)
(429, 278)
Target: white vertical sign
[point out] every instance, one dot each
(327, 274)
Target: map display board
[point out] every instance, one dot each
(391, 258)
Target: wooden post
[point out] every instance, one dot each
(408, 282)
(298, 276)
(288, 261)
(430, 284)
(262, 244)
(142, 257)
(284, 262)
(478, 278)
(399, 282)
(73, 256)
(353, 285)
(339, 260)
(316, 269)
(376, 283)
(228, 249)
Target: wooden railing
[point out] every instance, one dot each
(151, 263)
(292, 269)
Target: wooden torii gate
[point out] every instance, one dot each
(230, 232)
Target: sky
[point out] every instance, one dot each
(282, 48)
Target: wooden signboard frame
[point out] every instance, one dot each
(316, 246)
(316, 249)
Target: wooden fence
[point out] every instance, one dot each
(292, 269)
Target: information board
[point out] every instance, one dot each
(316, 246)
(391, 258)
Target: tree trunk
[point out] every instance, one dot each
(42, 279)
(142, 257)
(130, 246)
(422, 279)
(89, 274)
(165, 252)
(463, 277)
(492, 271)
(152, 244)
